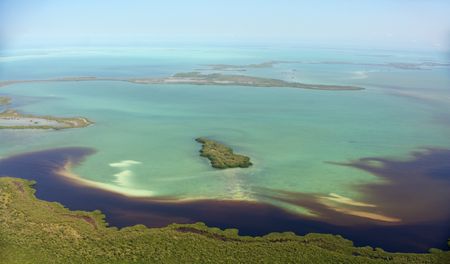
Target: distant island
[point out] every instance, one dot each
(221, 156)
(197, 78)
(244, 80)
(11, 119)
(236, 67)
(426, 65)
(4, 100)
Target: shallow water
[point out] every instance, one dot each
(144, 134)
(250, 218)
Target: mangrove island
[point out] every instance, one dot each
(221, 156)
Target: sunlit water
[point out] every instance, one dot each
(144, 134)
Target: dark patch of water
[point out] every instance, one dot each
(412, 183)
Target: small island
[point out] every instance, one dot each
(11, 119)
(4, 100)
(221, 156)
(234, 67)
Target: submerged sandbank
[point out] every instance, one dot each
(250, 217)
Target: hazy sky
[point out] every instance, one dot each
(369, 23)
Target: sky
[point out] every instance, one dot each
(421, 24)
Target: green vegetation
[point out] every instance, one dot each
(11, 119)
(196, 78)
(227, 67)
(243, 80)
(36, 231)
(268, 64)
(4, 100)
(221, 156)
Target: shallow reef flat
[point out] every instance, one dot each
(11, 119)
(37, 231)
(197, 78)
(221, 156)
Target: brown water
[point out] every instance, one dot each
(417, 234)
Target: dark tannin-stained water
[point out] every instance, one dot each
(418, 191)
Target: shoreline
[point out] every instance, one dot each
(43, 228)
(222, 156)
(250, 217)
(333, 202)
(197, 78)
(5, 100)
(11, 119)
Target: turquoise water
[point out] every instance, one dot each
(144, 134)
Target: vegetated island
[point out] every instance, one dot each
(231, 67)
(37, 231)
(11, 119)
(221, 156)
(240, 80)
(4, 100)
(197, 78)
(268, 64)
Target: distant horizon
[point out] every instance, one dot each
(94, 44)
(393, 25)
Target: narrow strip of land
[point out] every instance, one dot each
(427, 65)
(11, 119)
(197, 78)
